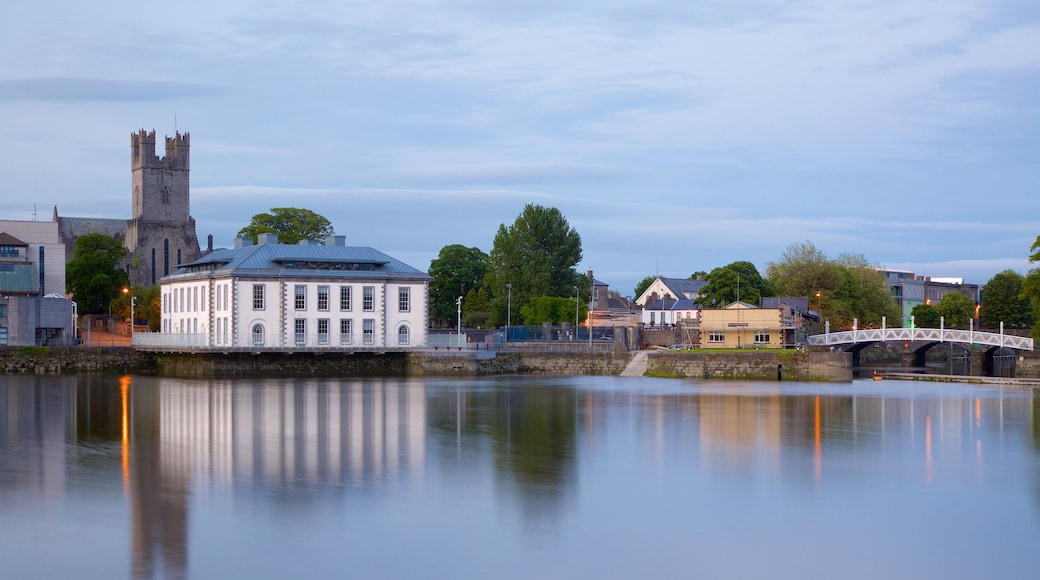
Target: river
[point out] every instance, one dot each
(516, 477)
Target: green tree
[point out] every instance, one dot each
(1002, 302)
(93, 276)
(475, 308)
(537, 255)
(1031, 286)
(956, 308)
(643, 285)
(872, 298)
(291, 224)
(804, 270)
(552, 309)
(148, 309)
(925, 316)
(737, 281)
(456, 270)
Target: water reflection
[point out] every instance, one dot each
(567, 453)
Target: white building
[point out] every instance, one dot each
(306, 296)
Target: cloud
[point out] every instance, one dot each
(76, 90)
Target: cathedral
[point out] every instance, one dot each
(160, 235)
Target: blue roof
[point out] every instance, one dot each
(292, 260)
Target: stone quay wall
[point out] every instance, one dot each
(41, 360)
(757, 365)
(754, 365)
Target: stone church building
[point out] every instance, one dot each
(160, 235)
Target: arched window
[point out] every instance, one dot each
(402, 335)
(258, 334)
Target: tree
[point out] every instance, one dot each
(1031, 286)
(956, 308)
(925, 316)
(1002, 302)
(456, 270)
(643, 285)
(803, 270)
(874, 299)
(148, 307)
(537, 255)
(475, 308)
(553, 309)
(737, 281)
(93, 275)
(290, 223)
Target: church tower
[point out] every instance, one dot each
(161, 232)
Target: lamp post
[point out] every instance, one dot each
(458, 305)
(133, 302)
(592, 305)
(575, 336)
(509, 309)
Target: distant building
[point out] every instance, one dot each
(283, 296)
(741, 325)
(670, 313)
(910, 290)
(33, 307)
(671, 289)
(160, 234)
(609, 308)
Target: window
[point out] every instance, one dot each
(225, 297)
(258, 297)
(762, 337)
(195, 299)
(300, 301)
(3, 335)
(300, 330)
(3, 310)
(323, 298)
(344, 298)
(323, 331)
(203, 298)
(258, 333)
(403, 299)
(368, 331)
(716, 337)
(368, 298)
(344, 331)
(402, 335)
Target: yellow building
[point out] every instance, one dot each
(741, 325)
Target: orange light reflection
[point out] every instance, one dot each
(124, 394)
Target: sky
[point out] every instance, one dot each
(675, 137)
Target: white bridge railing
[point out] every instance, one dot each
(921, 335)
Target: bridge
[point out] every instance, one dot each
(983, 346)
(918, 335)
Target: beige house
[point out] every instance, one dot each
(741, 325)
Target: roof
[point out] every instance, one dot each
(666, 304)
(303, 261)
(7, 239)
(683, 286)
(18, 278)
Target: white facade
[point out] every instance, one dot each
(669, 313)
(311, 297)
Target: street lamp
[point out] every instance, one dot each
(509, 309)
(133, 302)
(819, 303)
(458, 304)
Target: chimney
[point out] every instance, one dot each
(267, 238)
(336, 241)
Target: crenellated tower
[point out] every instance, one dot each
(161, 232)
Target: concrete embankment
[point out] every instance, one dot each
(772, 365)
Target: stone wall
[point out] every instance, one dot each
(754, 365)
(55, 360)
(1028, 365)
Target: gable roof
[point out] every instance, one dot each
(683, 286)
(7, 239)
